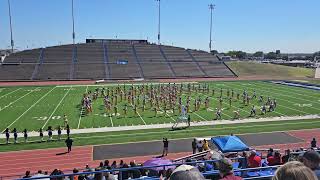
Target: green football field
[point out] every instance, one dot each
(39, 107)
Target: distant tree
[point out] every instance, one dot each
(271, 55)
(258, 54)
(278, 52)
(213, 52)
(238, 54)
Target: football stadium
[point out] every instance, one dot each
(144, 108)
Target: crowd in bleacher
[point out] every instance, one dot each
(299, 164)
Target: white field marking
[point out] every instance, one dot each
(82, 109)
(2, 89)
(111, 120)
(167, 115)
(290, 96)
(284, 99)
(278, 103)
(56, 108)
(259, 106)
(8, 105)
(221, 112)
(31, 107)
(126, 84)
(9, 93)
(199, 129)
(293, 88)
(140, 116)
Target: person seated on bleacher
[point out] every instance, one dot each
(254, 160)
(270, 152)
(226, 170)
(311, 159)
(134, 173)
(313, 143)
(286, 156)
(186, 172)
(294, 170)
(275, 159)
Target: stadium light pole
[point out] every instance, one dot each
(73, 33)
(10, 19)
(159, 20)
(211, 7)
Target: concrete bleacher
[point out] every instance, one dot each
(152, 61)
(19, 72)
(181, 62)
(28, 56)
(99, 60)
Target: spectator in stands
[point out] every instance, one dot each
(168, 173)
(244, 160)
(205, 145)
(100, 167)
(270, 152)
(41, 134)
(106, 164)
(121, 164)
(199, 146)
(124, 174)
(27, 175)
(194, 146)
(134, 173)
(25, 135)
(275, 159)
(165, 147)
(311, 159)
(69, 142)
(15, 135)
(294, 170)
(313, 143)
(186, 172)
(114, 165)
(254, 160)
(74, 171)
(286, 156)
(7, 132)
(56, 172)
(40, 174)
(225, 170)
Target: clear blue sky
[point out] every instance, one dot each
(249, 25)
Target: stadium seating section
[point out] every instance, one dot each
(111, 60)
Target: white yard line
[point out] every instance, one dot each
(140, 116)
(56, 107)
(8, 105)
(31, 107)
(293, 88)
(111, 120)
(82, 109)
(168, 115)
(277, 98)
(291, 96)
(9, 93)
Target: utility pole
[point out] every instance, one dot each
(211, 7)
(73, 33)
(159, 22)
(11, 34)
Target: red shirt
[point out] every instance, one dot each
(272, 161)
(231, 177)
(254, 161)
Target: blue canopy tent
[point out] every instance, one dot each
(229, 144)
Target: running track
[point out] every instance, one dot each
(16, 163)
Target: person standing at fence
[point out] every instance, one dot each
(25, 135)
(165, 147)
(15, 135)
(68, 130)
(313, 143)
(41, 134)
(194, 146)
(59, 133)
(69, 142)
(7, 132)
